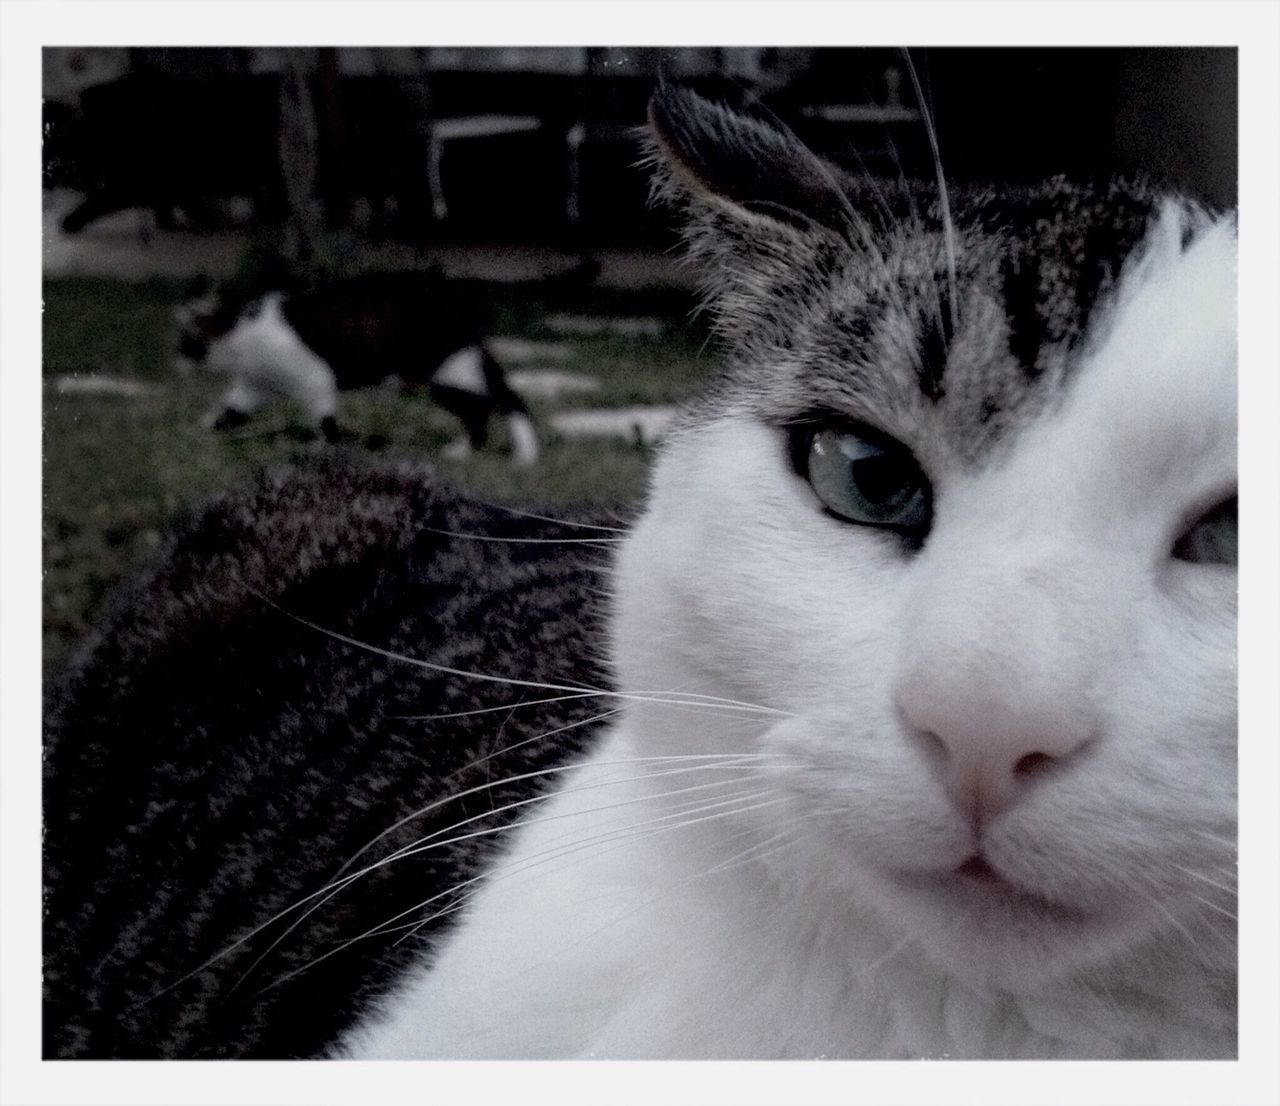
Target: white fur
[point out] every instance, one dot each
(463, 370)
(820, 919)
(265, 357)
(457, 450)
(524, 438)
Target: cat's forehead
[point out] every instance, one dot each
(955, 344)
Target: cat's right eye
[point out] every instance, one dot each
(1211, 539)
(868, 480)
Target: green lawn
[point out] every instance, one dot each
(118, 471)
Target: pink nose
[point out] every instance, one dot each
(991, 734)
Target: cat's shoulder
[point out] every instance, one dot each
(290, 683)
(303, 565)
(246, 546)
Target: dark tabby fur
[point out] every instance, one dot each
(211, 760)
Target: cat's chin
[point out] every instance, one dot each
(978, 924)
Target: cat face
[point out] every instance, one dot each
(961, 508)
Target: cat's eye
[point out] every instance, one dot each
(1211, 539)
(867, 480)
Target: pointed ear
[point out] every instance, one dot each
(764, 216)
(726, 150)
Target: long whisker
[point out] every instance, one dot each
(1154, 900)
(674, 809)
(935, 293)
(619, 839)
(429, 842)
(558, 521)
(475, 879)
(491, 710)
(432, 841)
(898, 947)
(509, 681)
(229, 949)
(1220, 838)
(615, 840)
(338, 885)
(948, 228)
(752, 852)
(1205, 879)
(460, 795)
(1215, 907)
(725, 866)
(622, 833)
(523, 541)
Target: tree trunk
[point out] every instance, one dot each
(299, 161)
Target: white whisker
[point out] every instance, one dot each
(869, 971)
(337, 884)
(1215, 907)
(752, 852)
(428, 843)
(492, 710)
(557, 521)
(692, 699)
(1155, 901)
(948, 228)
(523, 541)
(499, 875)
(649, 827)
(474, 790)
(1230, 889)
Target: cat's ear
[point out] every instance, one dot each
(724, 150)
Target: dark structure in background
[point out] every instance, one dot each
(539, 144)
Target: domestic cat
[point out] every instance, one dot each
(900, 724)
(308, 343)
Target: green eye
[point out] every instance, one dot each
(868, 482)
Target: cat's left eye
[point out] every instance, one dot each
(867, 480)
(1211, 539)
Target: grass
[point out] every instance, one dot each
(119, 471)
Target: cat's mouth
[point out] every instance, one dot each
(976, 921)
(977, 885)
(977, 872)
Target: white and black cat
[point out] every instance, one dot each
(306, 344)
(904, 725)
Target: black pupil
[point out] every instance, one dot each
(879, 478)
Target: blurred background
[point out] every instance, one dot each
(501, 166)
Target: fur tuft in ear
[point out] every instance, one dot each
(727, 149)
(764, 218)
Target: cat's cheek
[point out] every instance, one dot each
(753, 589)
(1206, 595)
(1175, 702)
(852, 779)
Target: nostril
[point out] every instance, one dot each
(977, 868)
(934, 746)
(1032, 764)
